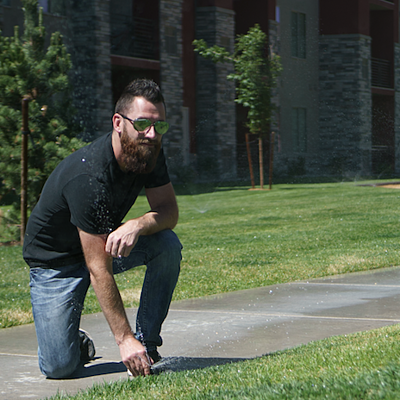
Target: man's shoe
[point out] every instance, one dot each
(87, 346)
(154, 355)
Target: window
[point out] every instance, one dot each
(298, 33)
(45, 5)
(57, 7)
(299, 129)
(53, 6)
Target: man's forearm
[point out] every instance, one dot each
(133, 353)
(153, 222)
(111, 303)
(102, 279)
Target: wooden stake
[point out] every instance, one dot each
(271, 159)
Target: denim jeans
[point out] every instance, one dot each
(57, 297)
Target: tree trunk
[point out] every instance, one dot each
(271, 159)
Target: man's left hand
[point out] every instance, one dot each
(120, 242)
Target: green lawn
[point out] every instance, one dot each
(236, 239)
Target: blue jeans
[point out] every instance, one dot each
(57, 297)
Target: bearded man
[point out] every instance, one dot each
(75, 237)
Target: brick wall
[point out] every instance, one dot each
(397, 106)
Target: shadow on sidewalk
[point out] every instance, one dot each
(167, 364)
(89, 370)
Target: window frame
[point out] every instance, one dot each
(298, 30)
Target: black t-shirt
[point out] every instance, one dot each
(87, 190)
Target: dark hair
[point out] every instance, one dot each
(139, 88)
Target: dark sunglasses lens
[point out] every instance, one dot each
(161, 127)
(141, 124)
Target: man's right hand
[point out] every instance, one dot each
(135, 357)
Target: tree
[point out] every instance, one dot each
(28, 70)
(255, 74)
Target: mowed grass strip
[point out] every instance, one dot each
(241, 239)
(358, 366)
(236, 239)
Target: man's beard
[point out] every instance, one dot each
(136, 157)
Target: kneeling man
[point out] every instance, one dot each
(75, 237)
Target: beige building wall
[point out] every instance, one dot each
(297, 88)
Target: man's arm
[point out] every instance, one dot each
(99, 264)
(163, 215)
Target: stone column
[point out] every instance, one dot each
(345, 104)
(274, 44)
(1, 19)
(171, 80)
(90, 28)
(216, 117)
(103, 64)
(397, 107)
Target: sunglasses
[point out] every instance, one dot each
(144, 125)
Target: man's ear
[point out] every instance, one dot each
(117, 123)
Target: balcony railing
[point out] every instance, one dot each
(381, 73)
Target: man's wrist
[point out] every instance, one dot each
(120, 339)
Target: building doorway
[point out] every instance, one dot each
(383, 144)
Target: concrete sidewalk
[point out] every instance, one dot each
(218, 329)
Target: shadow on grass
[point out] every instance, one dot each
(204, 188)
(167, 364)
(176, 364)
(194, 188)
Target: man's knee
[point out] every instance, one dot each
(171, 243)
(167, 253)
(59, 369)
(59, 361)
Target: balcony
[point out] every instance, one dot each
(381, 73)
(134, 37)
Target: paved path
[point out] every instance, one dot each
(218, 329)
